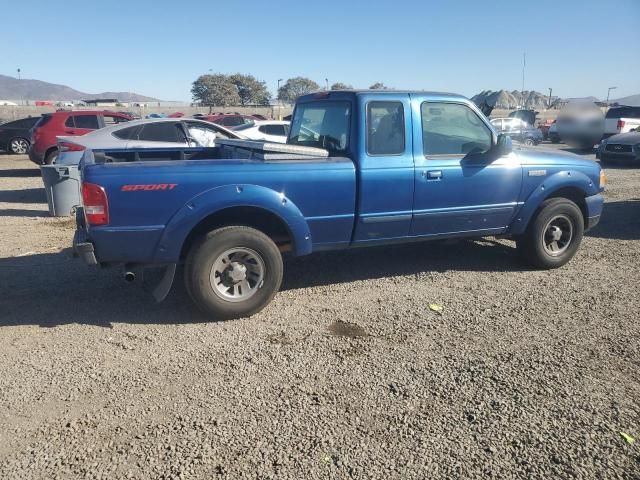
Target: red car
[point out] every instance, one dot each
(229, 120)
(44, 147)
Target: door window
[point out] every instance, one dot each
(163, 132)
(128, 133)
(86, 121)
(453, 129)
(203, 135)
(385, 128)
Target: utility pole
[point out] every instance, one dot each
(550, 90)
(608, 92)
(278, 100)
(20, 84)
(326, 81)
(524, 65)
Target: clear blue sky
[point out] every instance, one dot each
(157, 48)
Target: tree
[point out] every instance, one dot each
(215, 90)
(295, 88)
(378, 86)
(250, 90)
(341, 86)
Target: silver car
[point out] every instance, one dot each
(142, 134)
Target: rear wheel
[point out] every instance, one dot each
(233, 272)
(19, 146)
(554, 234)
(529, 142)
(52, 157)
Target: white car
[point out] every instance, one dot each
(141, 134)
(268, 130)
(621, 120)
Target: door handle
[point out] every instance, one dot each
(432, 174)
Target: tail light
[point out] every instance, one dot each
(96, 206)
(70, 147)
(620, 124)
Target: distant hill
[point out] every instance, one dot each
(503, 99)
(13, 89)
(631, 100)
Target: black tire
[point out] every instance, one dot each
(529, 142)
(554, 215)
(51, 157)
(18, 146)
(204, 255)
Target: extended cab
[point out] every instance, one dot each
(360, 168)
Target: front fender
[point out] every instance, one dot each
(551, 185)
(228, 196)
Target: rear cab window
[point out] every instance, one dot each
(322, 125)
(385, 128)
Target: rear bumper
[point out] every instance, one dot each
(34, 156)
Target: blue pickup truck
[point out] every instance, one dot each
(365, 168)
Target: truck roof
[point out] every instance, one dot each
(422, 93)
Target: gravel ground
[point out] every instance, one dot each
(347, 374)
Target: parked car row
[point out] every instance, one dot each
(143, 134)
(47, 137)
(15, 136)
(519, 130)
(267, 130)
(44, 143)
(623, 148)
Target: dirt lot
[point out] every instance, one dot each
(347, 374)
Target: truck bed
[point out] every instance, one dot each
(147, 196)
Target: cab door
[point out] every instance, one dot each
(385, 181)
(461, 186)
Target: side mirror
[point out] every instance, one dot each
(504, 146)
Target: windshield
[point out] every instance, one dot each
(321, 125)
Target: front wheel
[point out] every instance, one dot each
(529, 142)
(233, 272)
(554, 234)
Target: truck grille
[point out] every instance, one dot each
(615, 148)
